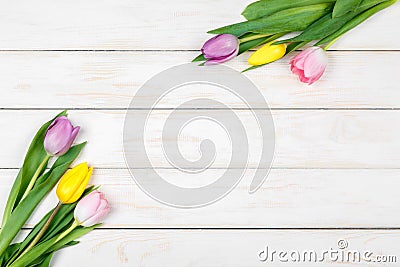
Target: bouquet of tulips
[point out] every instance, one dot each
(321, 22)
(80, 207)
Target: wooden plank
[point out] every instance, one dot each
(304, 139)
(290, 198)
(110, 80)
(229, 248)
(138, 25)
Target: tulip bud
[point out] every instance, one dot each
(267, 54)
(310, 64)
(59, 136)
(220, 48)
(91, 209)
(73, 183)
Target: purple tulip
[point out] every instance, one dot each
(220, 48)
(59, 136)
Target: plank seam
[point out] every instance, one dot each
(249, 229)
(189, 109)
(233, 168)
(170, 50)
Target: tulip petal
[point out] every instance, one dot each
(299, 60)
(87, 206)
(315, 64)
(303, 78)
(69, 174)
(57, 135)
(96, 218)
(70, 186)
(221, 60)
(309, 65)
(91, 209)
(70, 140)
(80, 185)
(316, 78)
(220, 46)
(103, 204)
(266, 54)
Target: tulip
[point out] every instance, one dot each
(57, 141)
(73, 183)
(267, 54)
(91, 209)
(69, 189)
(59, 136)
(310, 64)
(220, 48)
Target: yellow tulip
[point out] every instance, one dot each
(267, 54)
(73, 183)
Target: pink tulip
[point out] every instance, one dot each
(91, 209)
(310, 64)
(59, 136)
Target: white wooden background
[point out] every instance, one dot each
(336, 173)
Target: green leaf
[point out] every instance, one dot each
(9, 253)
(61, 227)
(44, 260)
(365, 4)
(252, 44)
(42, 178)
(69, 244)
(321, 28)
(64, 216)
(34, 231)
(344, 6)
(294, 46)
(265, 8)
(199, 58)
(327, 25)
(253, 67)
(75, 234)
(23, 211)
(35, 155)
(61, 220)
(289, 20)
(257, 42)
(50, 246)
(356, 21)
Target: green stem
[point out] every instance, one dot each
(331, 43)
(39, 234)
(69, 230)
(48, 245)
(254, 37)
(35, 176)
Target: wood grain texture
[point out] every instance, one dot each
(304, 139)
(221, 247)
(138, 25)
(337, 162)
(290, 198)
(110, 80)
